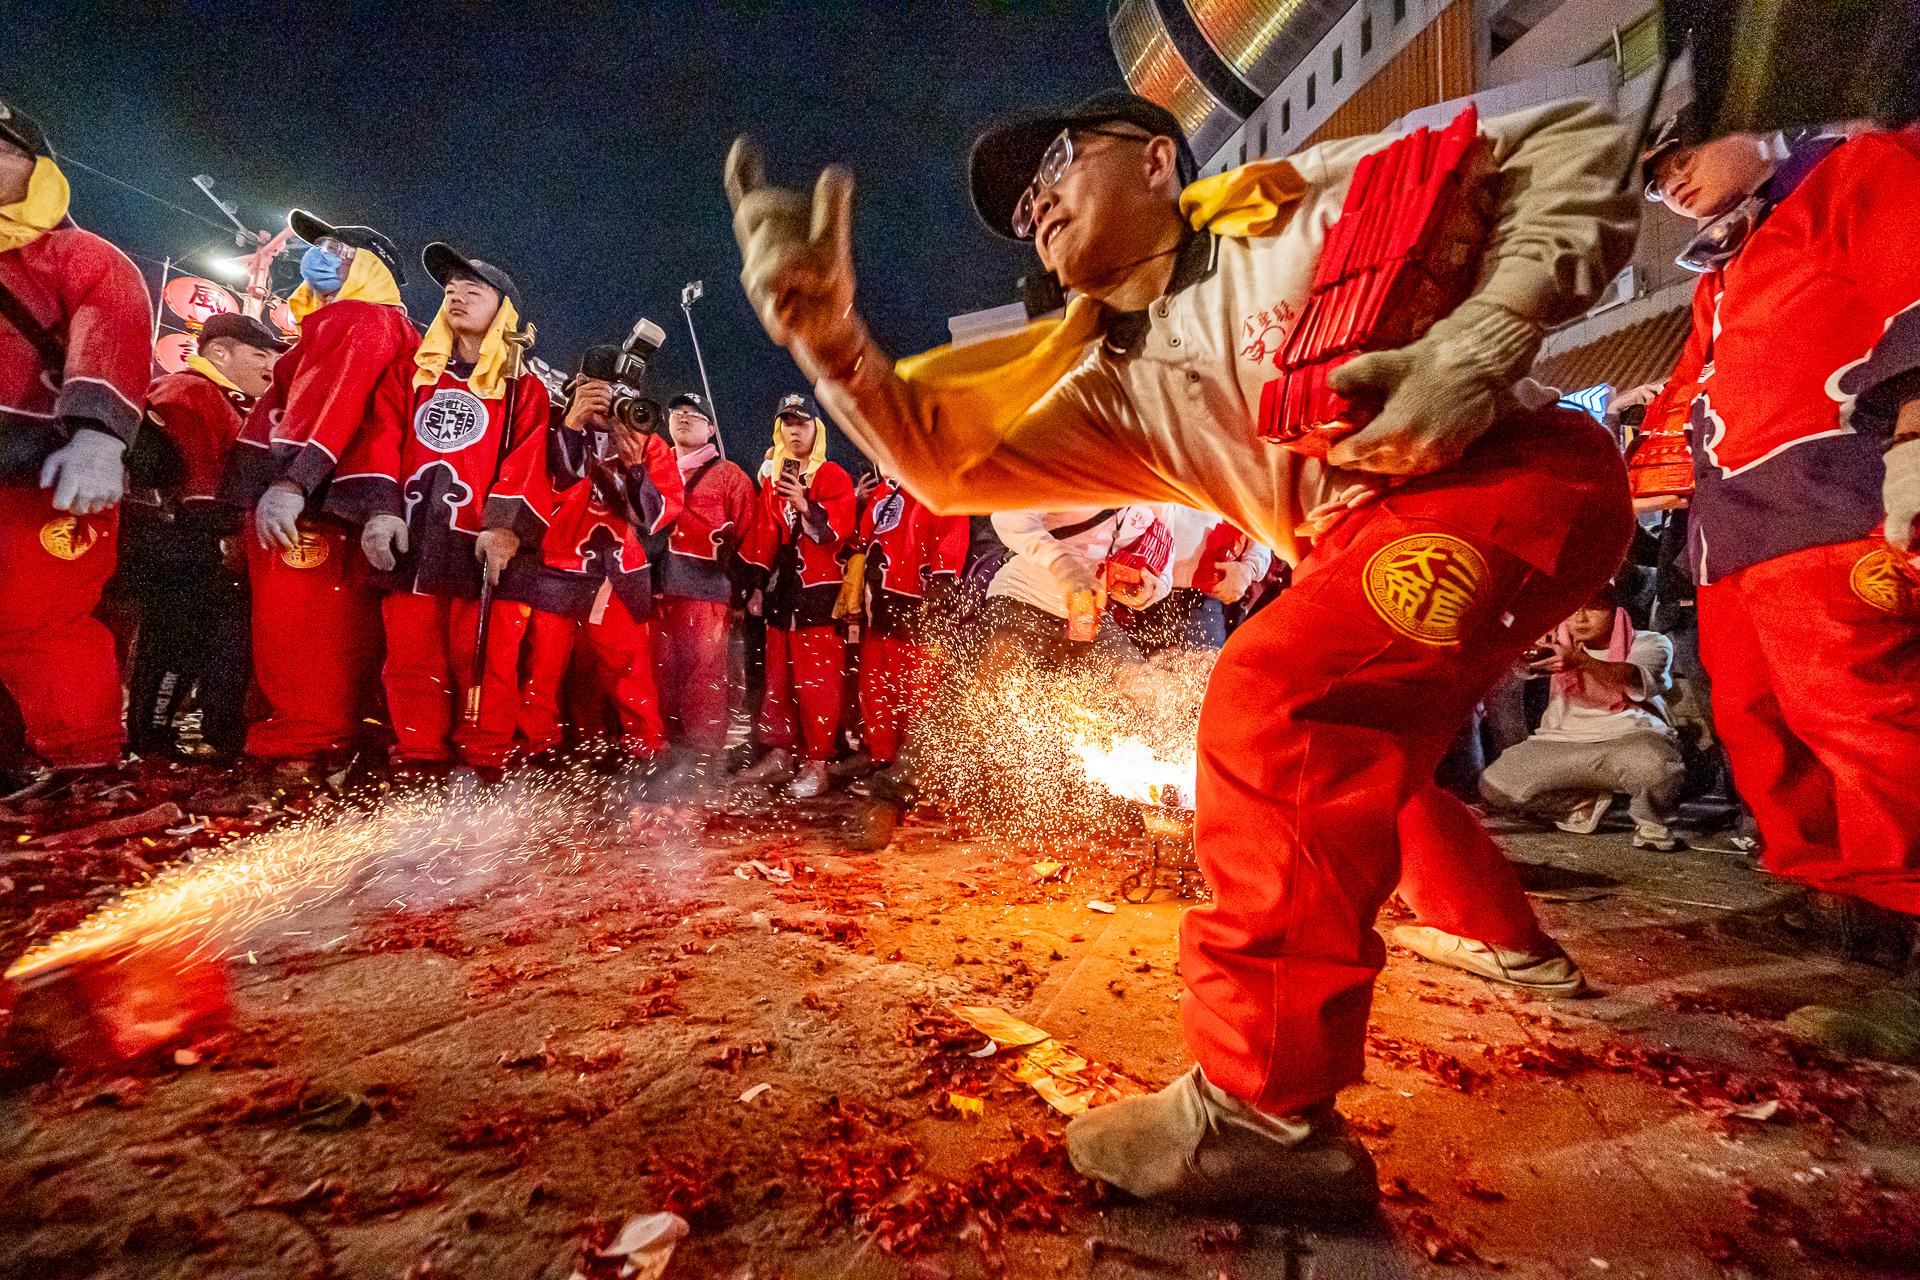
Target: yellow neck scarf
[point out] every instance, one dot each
(998, 380)
(489, 377)
(201, 365)
(24, 221)
(780, 454)
(368, 280)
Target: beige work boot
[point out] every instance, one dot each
(1553, 975)
(1190, 1144)
(775, 766)
(1886, 1027)
(1584, 818)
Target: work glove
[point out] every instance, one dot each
(1436, 395)
(494, 549)
(87, 474)
(1236, 579)
(276, 517)
(1900, 491)
(383, 540)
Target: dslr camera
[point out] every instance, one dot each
(624, 368)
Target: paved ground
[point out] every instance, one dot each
(483, 1088)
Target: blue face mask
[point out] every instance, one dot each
(324, 271)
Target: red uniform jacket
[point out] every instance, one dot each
(581, 514)
(314, 425)
(199, 420)
(796, 563)
(91, 300)
(703, 548)
(436, 456)
(912, 554)
(1803, 340)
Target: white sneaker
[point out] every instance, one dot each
(775, 766)
(812, 781)
(1651, 835)
(1585, 818)
(1551, 975)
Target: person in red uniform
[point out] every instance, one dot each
(178, 550)
(1327, 712)
(444, 448)
(75, 322)
(912, 563)
(694, 593)
(1805, 430)
(565, 530)
(308, 468)
(801, 524)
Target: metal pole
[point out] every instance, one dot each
(688, 295)
(160, 303)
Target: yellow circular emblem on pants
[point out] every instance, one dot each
(1424, 586)
(309, 553)
(67, 537)
(1879, 579)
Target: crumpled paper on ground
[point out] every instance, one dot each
(647, 1242)
(1069, 1083)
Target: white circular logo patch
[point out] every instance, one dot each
(450, 420)
(886, 516)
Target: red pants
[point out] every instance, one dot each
(897, 680)
(56, 658)
(1323, 721)
(616, 659)
(1815, 659)
(806, 672)
(429, 676)
(316, 643)
(690, 661)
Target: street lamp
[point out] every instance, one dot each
(264, 248)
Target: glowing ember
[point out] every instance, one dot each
(1132, 770)
(410, 852)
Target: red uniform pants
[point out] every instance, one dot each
(316, 643)
(615, 661)
(1322, 724)
(897, 680)
(56, 659)
(691, 665)
(1815, 660)
(806, 677)
(429, 677)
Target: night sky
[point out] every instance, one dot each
(579, 146)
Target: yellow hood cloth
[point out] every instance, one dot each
(778, 454)
(368, 280)
(489, 377)
(26, 220)
(998, 380)
(201, 365)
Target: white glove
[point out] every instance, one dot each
(1436, 395)
(493, 549)
(383, 540)
(276, 517)
(1900, 492)
(87, 474)
(1236, 579)
(1076, 573)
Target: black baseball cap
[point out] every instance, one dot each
(693, 401)
(1004, 158)
(240, 328)
(313, 230)
(794, 402)
(1675, 132)
(22, 130)
(443, 262)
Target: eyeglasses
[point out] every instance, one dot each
(1054, 163)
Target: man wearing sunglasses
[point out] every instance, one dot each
(1805, 430)
(1328, 711)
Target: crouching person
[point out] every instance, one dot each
(1605, 731)
(804, 518)
(578, 508)
(465, 421)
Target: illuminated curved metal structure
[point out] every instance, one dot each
(1263, 40)
(1164, 58)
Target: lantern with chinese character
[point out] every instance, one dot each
(280, 315)
(171, 352)
(197, 301)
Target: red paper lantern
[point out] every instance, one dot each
(281, 316)
(171, 352)
(196, 301)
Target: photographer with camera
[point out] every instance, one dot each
(803, 520)
(468, 417)
(580, 508)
